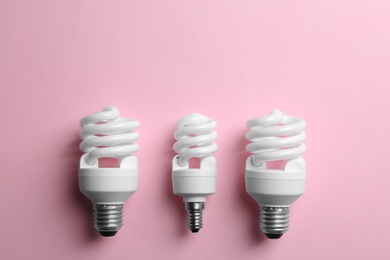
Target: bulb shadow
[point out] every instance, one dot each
(251, 208)
(75, 199)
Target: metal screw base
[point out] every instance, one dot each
(195, 218)
(107, 218)
(274, 221)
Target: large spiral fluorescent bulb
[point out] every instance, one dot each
(195, 138)
(105, 134)
(275, 137)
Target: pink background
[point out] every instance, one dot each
(325, 61)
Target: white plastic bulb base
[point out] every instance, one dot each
(194, 185)
(275, 191)
(108, 189)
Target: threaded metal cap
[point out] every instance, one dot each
(195, 215)
(108, 218)
(274, 221)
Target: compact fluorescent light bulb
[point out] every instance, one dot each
(105, 134)
(275, 137)
(195, 138)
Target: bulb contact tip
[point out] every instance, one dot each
(107, 233)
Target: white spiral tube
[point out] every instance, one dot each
(275, 137)
(195, 137)
(105, 134)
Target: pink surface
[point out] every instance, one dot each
(325, 61)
